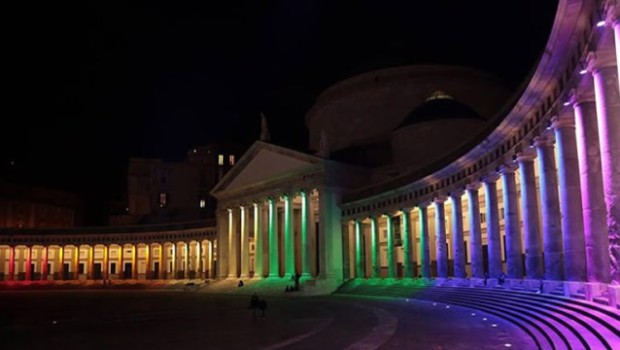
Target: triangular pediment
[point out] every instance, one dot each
(264, 162)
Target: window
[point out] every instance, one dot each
(231, 159)
(163, 199)
(220, 159)
(203, 203)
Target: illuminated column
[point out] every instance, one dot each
(458, 241)
(106, 263)
(258, 240)
(274, 268)
(408, 244)
(149, 263)
(199, 260)
(514, 242)
(531, 223)
(425, 261)
(76, 262)
(134, 261)
(121, 267)
(233, 244)
(11, 263)
(359, 266)
(162, 263)
(605, 73)
(391, 264)
(493, 234)
(311, 234)
(330, 235)
(475, 231)
(173, 259)
(550, 205)
(61, 262)
(305, 231)
(245, 242)
(592, 198)
(440, 237)
(28, 263)
(186, 260)
(44, 268)
(289, 239)
(374, 238)
(570, 198)
(222, 243)
(91, 263)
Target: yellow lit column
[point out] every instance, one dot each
(61, 263)
(44, 269)
(162, 263)
(28, 263)
(106, 265)
(76, 262)
(186, 261)
(173, 259)
(91, 264)
(121, 268)
(211, 273)
(199, 260)
(147, 270)
(233, 245)
(134, 261)
(245, 242)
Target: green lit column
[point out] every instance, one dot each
(306, 267)
(407, 244)
(374, 234)
(425, 261)
(359, 266)
(289, 239)
(273, 240)
(258, 240)
(390, 247)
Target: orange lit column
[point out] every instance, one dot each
(11, 263)
(134, 261)
(91, 263)
(121, 269)
(173, 259)
(28, 263)
(147, 270)
(44, 270)
(199, 263)
(162, 264)
(76, 262)
(106, 264)
(186, 261)
(61, 263)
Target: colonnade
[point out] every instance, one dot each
(276, 237)
(168, 260)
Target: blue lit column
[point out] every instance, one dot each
(493, 234)
(458, 242)
(512, 229)
(425, 258)
(531, 221)
(440, 237)
(475, 232)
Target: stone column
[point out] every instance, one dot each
(245, 242)
(61, 262)
(493, 235)
(551, 217)
(306, 231)
(531, 223)
(359, 263)
(475, 231)
(391, 264)
(457, 235)
(289, 237)
(222, 244)
(440, 237)
(44, 269)
(408, 245)
(592, 198)
(90, 262)
(570, 198)
(330, 235)
(186, 260)
(514, 242)
(258, 240)
(425, 254)
(11, 263)
(28, 263)
(76, 262)
(200, 259)
(233, 245)
(605, 73)
(162, 262)
(106, 263)
(374, 237)
(134, 261)
(149, 262)
(274, 266)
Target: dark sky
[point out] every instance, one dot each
(91, 84)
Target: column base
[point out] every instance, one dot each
(552, 286)
(613, 295)
(573, 288)
(594, 289)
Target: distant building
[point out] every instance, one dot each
(165, 192)
(28, 207)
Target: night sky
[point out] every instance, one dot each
(91, 84)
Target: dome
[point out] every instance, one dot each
(439, 105)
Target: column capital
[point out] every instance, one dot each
(600, 59)
(612, 13)
(563, 120)
(424, 204)
(474, 186)
(510, 168)
(456, 194)
(527, 155)
(405, 210)
(491, 178)
(440, 199)
(544, 140)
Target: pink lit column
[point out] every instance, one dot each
(440, 237)
(550, 205)
(512, 229)
(605, 73)
(570, 198)
(531, 223)
(475, 231)
(493, 235)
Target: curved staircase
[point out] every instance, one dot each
(553, 322)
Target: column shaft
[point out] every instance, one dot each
(407, 244)
(440, 238)
(106, 264)
(457, 235)
(76, 262)
(425, 256)
(374, 236)
(149, 262)
(494, 244)
(306, 252)
(289, 237)
(258, 240)
(245, 242)
(274, 266)
(61, 263)
(531, 223)
(233, 245)
(44, 268)
(91, 264)
(390, 248)
(11, 263)
(359, 263)
(29, 263)
(514, 241)
(475, 231)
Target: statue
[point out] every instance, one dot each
(323, 145)
(264, 131)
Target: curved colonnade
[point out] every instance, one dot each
(151, 252)
(538, 198)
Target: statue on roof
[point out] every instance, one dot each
(323, 145)
(264, 130)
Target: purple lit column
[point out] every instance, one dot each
(493, 235)
(514, 241)
(605, 73)
(531, 223)
(440, 237)
(592, 199)
(457, 235)
(425, 258)
(570, 198)
(551, 222)
(475, 232)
